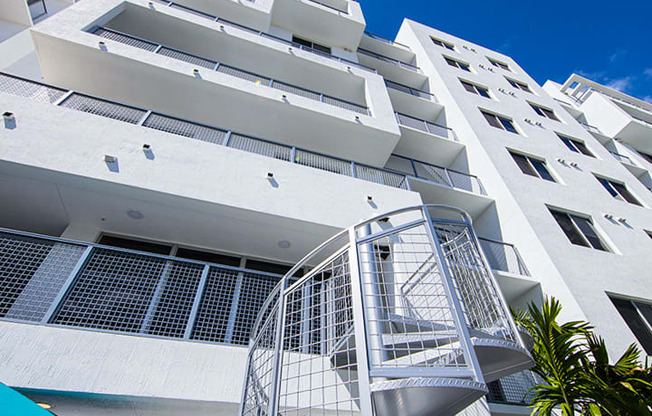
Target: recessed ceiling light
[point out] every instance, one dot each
(137, 215)
(284, 244)
(45, 405)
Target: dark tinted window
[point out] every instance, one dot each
(264, 266)
(635, 314)
(542, 170)
(567, 226)
(523, 163)
(208, 257)
(130, 244)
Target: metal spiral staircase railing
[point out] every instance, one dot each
(398, 315)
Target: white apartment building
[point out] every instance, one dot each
(164, 164)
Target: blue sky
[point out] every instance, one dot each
(609, 42)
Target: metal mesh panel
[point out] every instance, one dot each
(432, 173)
(412, 122)
(513, 389)
(400, 164)
(346, 105)
(215, 308)
(186, 57)
(261, 147)
(439, 130)
(296, 90)
(32, 90)
(169, 310)
(503, 256)
(258, 79)
(409, 314)
(103, 108)
(255, 290)
(462, 181)
(192, 11)
(381, 176)
(127, 40)
(185, 128)
(479, 298)
(32, 272)
(319, 368)
(322, 162)
(113, 291)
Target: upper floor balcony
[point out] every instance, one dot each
(394, 69)
(413, 101)
(386, 47)
(427, 140)
(338, 23)
(219, 73)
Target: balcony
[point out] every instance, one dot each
(427, 140)
(437, 184)
(225, 22)
(393, 69)
(513, 389)
(337, 23)
(398, 318)
(636, 169)
(386, 47)
(315, 102)
(227, 69)
(414, 101)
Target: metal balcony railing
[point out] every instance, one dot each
(513, 389)
(198, 131)
(385, 40)
(226, 69)
(435, 174)
(590, 128)
(623, 158)
(389, 60)
(54, 281)
(401, 316)
(412, 91)
(426, 126)
(225, 22)
(503, 256)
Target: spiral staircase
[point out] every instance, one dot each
(397, 316)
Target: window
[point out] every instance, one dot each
(518, 85)
(37, 8)
(533, 167)
(443, 44)
(618, 190)
(311, 45)
(638, 317)
(138, 245)
(649, 233)
(499, 64)
(476, 89)
(499, 122)
(457, 64)
(575, 145)
(208, 257)
(579, 230)
(544, 112)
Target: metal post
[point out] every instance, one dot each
(278, 353)
(448, 176)
(414, 168)
(293, 154)
(427, 128)
(271, 83)
(54, 306)
(227, 138)
(321, 98)
(360, 329)
(353, 172)
(158, 48)
(233, 311)
(217, 65)
(144, 118)
(190, 325)
(64, 97)
(454, 302)
(156, 297)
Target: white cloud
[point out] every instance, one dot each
(620, 84)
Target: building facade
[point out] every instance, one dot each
(164, 164)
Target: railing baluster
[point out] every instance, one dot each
(190, 325)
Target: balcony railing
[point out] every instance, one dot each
(54, 281)
(193, 130)
(226, 69)
(225, 22)
(385, 40)
(591, 128)
(389, 60)
(426, 126)
(435, 174)
(412, 91)
(623, 158)
(503, 256)
(512, 389)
